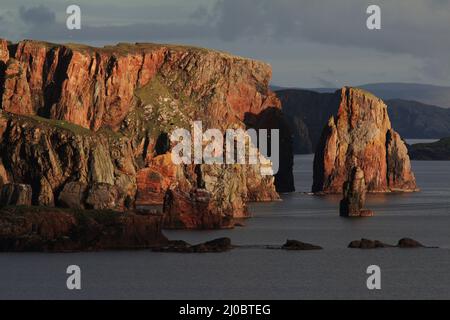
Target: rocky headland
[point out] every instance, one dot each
(87, 128)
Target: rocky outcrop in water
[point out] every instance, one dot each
(179, 246)
(298, 245)
(361, 135)
(368, 244)
(354, 196)
(88, 127)
(403, 243)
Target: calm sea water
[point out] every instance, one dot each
(252, 273)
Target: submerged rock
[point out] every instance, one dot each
(409, 243)
(372, 244)
(298, 245)
(216, 245)
(368, 244)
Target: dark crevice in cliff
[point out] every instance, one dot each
(12, 48)
(162, 144)
(53, 90)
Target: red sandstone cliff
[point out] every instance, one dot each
(361, 136)
(91, 124)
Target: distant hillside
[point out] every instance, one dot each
(415, 120)
(428, 94)
(439, 150)
(425, 93)
(308, 112)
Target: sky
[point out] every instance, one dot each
(309, 43)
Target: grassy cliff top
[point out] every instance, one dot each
(123, 48)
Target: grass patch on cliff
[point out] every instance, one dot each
(161, 109)
(53, 123)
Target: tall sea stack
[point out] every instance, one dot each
(361, 135)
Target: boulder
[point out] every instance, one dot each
(73, 195)
(102, 196)
(16, 194)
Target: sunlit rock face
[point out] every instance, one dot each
(76, 119)
(360, 135)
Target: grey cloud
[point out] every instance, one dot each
(414, 28)
(37, 16)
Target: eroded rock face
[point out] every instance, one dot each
(193, 210)
(154, 180)
(361, 135)
(101, 116)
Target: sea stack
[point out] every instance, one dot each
(354, 196)
(361, 135)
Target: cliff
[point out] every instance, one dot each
(93, 123)
(361, 136)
